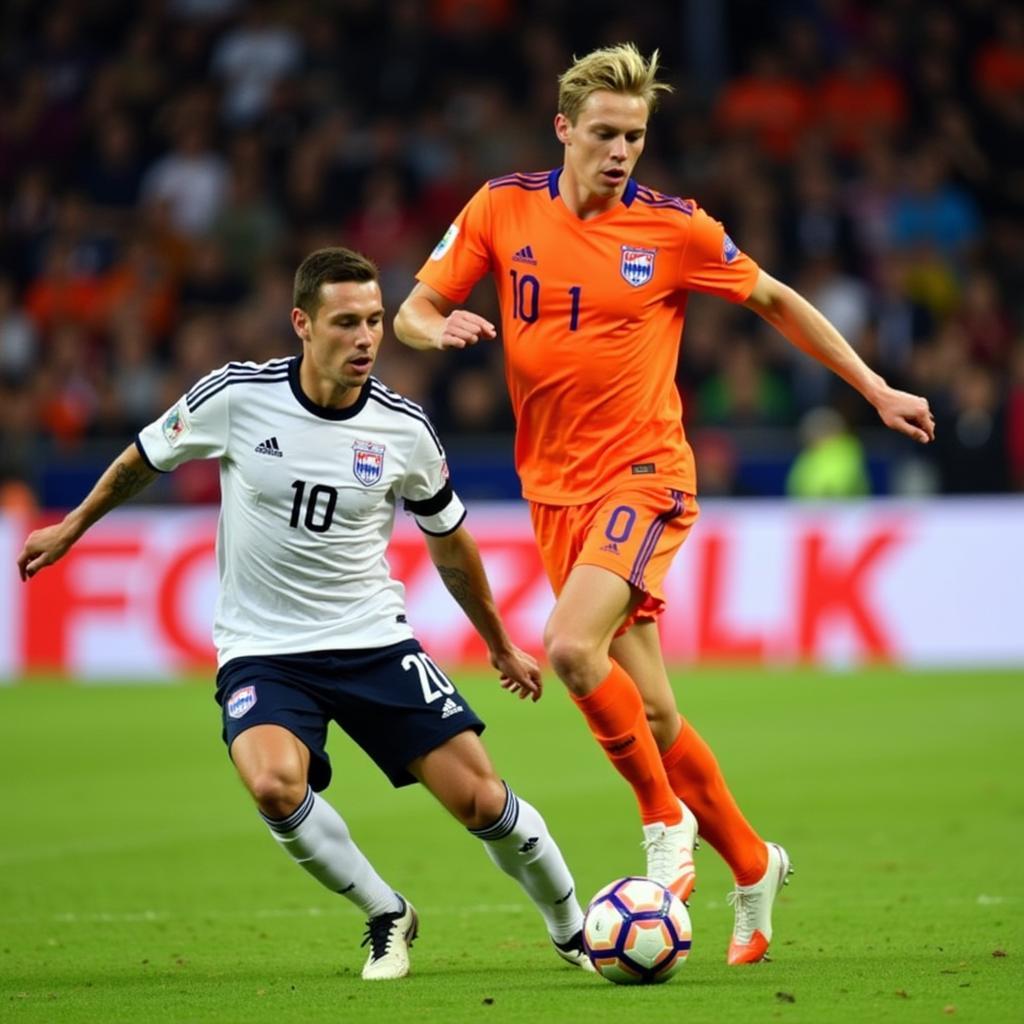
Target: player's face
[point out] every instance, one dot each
(341, 341)
(603, 146)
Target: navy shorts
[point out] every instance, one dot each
(393, 701)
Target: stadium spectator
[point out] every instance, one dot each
(19, 340)
(899, 323)
(742, 392)
(111, 179)
(248, 228)
(973, 439)
(209, 282)
(984, 321)
(767, 105)
(859, 102)
(999, 63)
(191, 180)
(831, 463)
(65, 291)
(933, 213)
(251, 58)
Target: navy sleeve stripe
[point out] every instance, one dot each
(220, 372)
(232, 369)
(649, 197)
(431, 506)
(525, 186)
(145, 457)
(408, 409)
(519, 177)
(265, 378)
(386, 392)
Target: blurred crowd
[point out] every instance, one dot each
(165, 164)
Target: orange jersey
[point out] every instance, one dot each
(591, 321)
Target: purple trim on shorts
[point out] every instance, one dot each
(654, 532)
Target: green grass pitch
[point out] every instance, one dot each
(137, 883)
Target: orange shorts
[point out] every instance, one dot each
(633, 532)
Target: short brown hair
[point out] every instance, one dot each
(621, 69)
(329, 266)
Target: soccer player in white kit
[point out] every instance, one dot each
(315, 455)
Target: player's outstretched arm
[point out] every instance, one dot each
(428, 320)
(458, 561)
(122, 479)
(805, 327)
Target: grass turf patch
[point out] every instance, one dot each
(137, 882)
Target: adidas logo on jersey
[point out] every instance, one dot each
(524, 255)
(450, 708)
(612, 547)
(269, 447)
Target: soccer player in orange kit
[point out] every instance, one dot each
(593, 272)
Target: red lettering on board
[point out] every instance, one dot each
(171, 602)
(715, 638)
(54, 598)
(833, 586)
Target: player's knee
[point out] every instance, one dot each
(483, 804)
(574, 659)
(277, 794)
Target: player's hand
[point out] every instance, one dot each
(520, 673)
(42, 547)
(462, 328)
(907, 414)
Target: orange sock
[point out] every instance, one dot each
(615, 715)
(697, 780)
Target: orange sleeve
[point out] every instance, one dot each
(463, 255)
(712, 263)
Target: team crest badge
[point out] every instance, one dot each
(637, 265)
(367, 462)
(241, 701)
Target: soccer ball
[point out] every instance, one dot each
(636, 932)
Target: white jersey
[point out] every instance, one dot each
(308, 497)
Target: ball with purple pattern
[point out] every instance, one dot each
(636, 932)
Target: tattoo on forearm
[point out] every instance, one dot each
(457, 582)
(128, 482)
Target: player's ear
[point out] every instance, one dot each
(300, 323)
(562, 126)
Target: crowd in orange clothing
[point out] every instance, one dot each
(163, 167)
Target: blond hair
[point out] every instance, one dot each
(620, 69)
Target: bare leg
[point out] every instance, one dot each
(273, 764)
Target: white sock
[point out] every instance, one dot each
(520, 844)
(316, 837)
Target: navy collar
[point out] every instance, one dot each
(323, 411)
(627, 196)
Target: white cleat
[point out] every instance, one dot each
(753, 905)
(573, 952)
(670, 853)
(389, 937)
